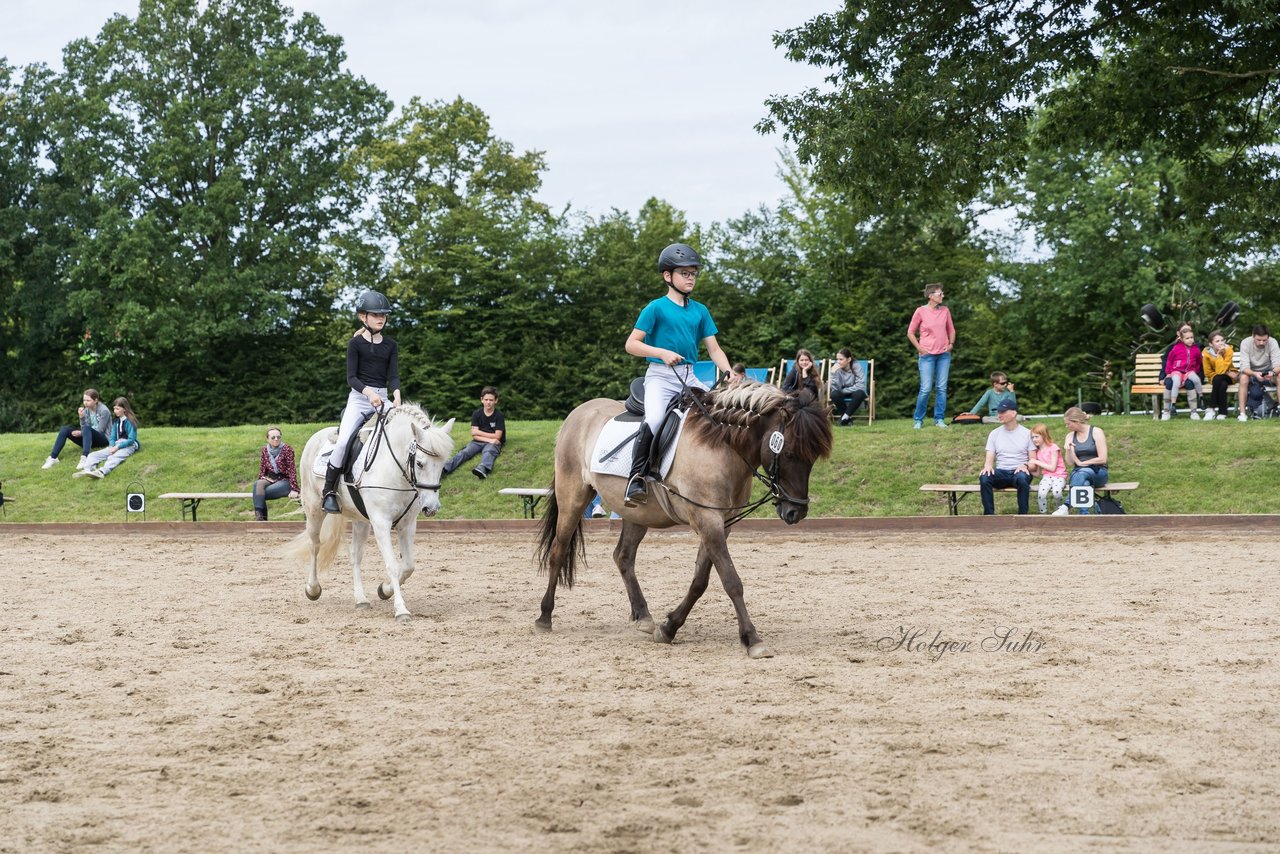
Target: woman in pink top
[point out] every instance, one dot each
(1181, 369)
(1052, 467)
(933, 334)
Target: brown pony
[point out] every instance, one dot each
(729, 434)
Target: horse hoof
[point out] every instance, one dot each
(404, 619)
(759, 650)
(660, 635)
(541, 628)
(312, 596)
(363, 606)
(383, 596)
(645, 626)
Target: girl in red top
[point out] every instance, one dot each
(1181, 369)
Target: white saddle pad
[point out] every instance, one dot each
(322, 463)
(613, 435)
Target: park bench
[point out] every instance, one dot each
(529, 497)
(957, 491)
(191, 500)
(1147, 368)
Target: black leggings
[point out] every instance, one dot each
(1219, 393)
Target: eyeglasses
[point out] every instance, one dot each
(686, 274)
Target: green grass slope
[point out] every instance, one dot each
(1183, 466)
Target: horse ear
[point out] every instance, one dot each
(448, 425)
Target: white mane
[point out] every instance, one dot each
(435, 439)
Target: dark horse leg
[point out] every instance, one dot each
(624, 555)
(715, 550)
(560, 544)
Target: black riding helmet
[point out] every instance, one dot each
(678, 255)
(372, 302)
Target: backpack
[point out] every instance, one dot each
(1107, 506)
(1260, 405)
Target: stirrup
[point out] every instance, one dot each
(637, 492)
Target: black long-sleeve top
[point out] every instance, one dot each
(373, 365)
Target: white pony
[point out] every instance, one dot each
(401, 477)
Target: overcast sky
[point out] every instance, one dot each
(627, 100)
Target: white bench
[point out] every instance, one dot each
(529, 496)
(957, 491)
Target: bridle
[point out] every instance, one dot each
(769, 478)
(408, 470)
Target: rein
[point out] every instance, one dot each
(407, 472)
(769, 478)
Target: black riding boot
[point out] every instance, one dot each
(330, 503)
(259, 515)
(637, 489)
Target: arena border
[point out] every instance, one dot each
(1201, 524)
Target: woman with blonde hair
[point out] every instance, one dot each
(1086, 451)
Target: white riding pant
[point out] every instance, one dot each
(661, 385)
(358, 409)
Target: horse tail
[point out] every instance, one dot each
(551, 552)
(331, 529)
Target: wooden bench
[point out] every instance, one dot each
(529, 496)
(957, 491)
(1146, 380)
(191, 500)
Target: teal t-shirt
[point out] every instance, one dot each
(674, 327)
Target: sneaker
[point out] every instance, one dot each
(84, 462)
(1062, 511)
(1165, 416)
(844, 420)
(50, 463)
(920, 424)
(98, 473)
(1221, 416)
(479, 472)
(1242, 417)
(940, 423)
(1194, 416)
(83, 473)
(1210, 413)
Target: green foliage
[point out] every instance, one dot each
(1183, 466)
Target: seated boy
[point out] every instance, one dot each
(989, 404)
(488, 435)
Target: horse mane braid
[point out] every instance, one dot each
(736, 410)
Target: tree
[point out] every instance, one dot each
(937, 101)
(206, 139)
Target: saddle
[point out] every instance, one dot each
(667, 433)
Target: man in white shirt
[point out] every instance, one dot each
(1009, 449)
(1259, 364)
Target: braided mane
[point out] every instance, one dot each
(437, 441)
(737, 411)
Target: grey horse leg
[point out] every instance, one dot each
(624, 555)
(666, 633)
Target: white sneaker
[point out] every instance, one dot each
(83, 473)
(940, 423)
(1164, 416)
(1062, 511)
(1210, 413)
(50, 462)
(1222, 416)
(1195, 416)
(98, 473)
(920, 424)
(84, 461)
(1242, 417)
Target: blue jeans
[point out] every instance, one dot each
(933, 374)
(90, 438)
(488, 452)
(1088, 477)
(1005, 477)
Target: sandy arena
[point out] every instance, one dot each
(1031, 692)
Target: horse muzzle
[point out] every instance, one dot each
(792, 513)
